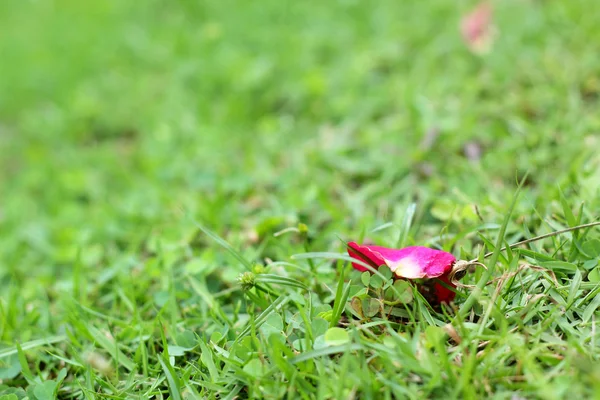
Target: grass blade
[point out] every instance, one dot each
(406, 224)
(277, 304)
(223, 243)
(591, 308)
(30, 345)
(25, 370)
(111, 347)
(172, 380)
(326, 351)
(337, 256)
(474, 295)
(280, 280)
(341, 296)
(574, 289)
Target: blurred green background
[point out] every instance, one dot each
(117, 117)
(120, 119)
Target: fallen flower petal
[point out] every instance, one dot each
(476, 28)
(367, 254)
(413, 262)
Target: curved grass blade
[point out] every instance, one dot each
(112, 348)
(172, 380)
(280, 280)
(336, 256)
(326, 351)
(287, 264)
(382, 227)
(223, 244)
(277, 304)
(485, 277)
(341, 297)
(406, 224)
(31, 344)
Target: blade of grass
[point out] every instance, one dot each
(280, 280)
(337, 256)
(485, 277)
(206, 357)
(591, 308)
(111, 347)
(406, 224)
(172, 380)
(341, 296)
(544, 236)
(223, 244)
(25, 370)
(278, 303)
(326, 351)
(382, 227)
(30, 345)
(234, 392)
(574, 289)
(201, 290)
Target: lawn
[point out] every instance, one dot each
(179, 179)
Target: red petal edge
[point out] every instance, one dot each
(442, 293)
(364, 254)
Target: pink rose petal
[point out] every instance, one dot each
(476, 28)
(410, 262)
(366, 255)
(413, 262)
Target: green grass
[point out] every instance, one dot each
(150, 152)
